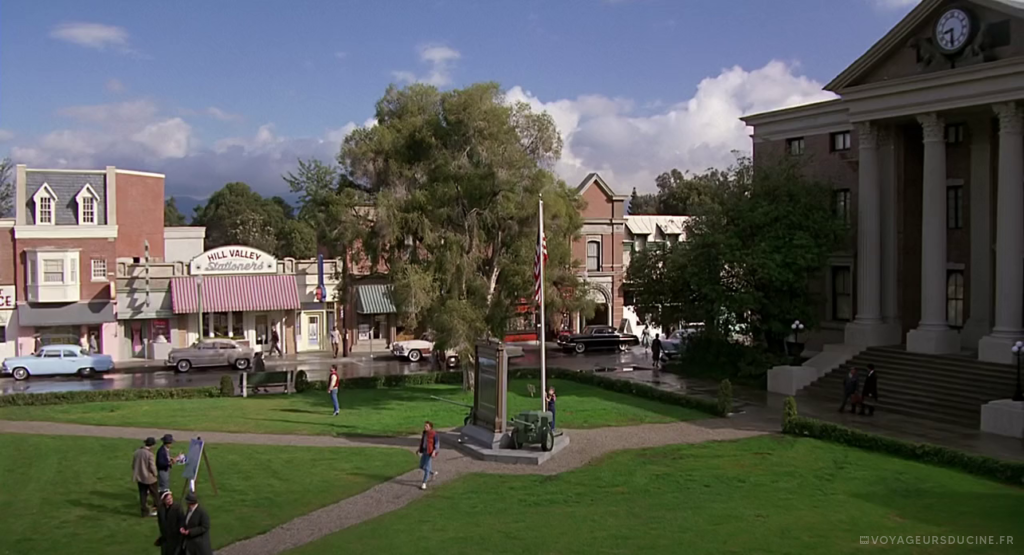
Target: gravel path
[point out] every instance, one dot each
(396, 493)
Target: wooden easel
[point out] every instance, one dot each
(190, 485)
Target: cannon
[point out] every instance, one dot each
(533, 427)
(469, 417)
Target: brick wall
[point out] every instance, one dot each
(7, 271)
(89, 249)
(140, 215)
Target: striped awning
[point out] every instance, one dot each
(374, 299)
(235, 294)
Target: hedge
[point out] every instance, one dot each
(303, 383)
(986, 467)
(75, 397)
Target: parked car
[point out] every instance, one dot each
(211, 352)
(675, 344)
(594, 338)
(414, 350)
(55, 360)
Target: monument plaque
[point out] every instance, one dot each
(489, 395)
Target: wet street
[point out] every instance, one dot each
(316, 365)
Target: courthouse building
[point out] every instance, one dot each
(923, 147)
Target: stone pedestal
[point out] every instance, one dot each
(874, 334)
(996, 348)
(787, 380)
(484, 438)
(1004, 417)
(934, 341)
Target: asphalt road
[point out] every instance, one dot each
(317, 368)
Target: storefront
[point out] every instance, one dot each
(523, 325)
(8, 321)
(316, 280)
(147, 324)
(376, 318)
(240, 293)
(92, 323)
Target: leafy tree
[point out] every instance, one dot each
(6, 188)
(237, 215)
(748, 257)
(172, 216)
(643, 204)
(332, 208)
(456, 177)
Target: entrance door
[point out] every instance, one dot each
(313, 331)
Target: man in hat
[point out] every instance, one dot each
(169, 520)
(196, 529)
(144, 474)
(164, 462)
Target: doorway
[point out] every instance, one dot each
(313, 341)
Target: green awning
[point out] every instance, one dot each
(374, 299)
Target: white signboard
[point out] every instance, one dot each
(8, 297)
(233, 260)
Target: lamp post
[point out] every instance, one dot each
(199, 289)
(1018, 351)
(797, 327)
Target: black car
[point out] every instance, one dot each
(594, 338)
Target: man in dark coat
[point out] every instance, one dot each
(849, 390)
(656, 350)
(195, 529)
(870, 392)
(170, 520)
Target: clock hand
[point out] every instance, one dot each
(949, 35)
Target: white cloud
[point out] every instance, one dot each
(222, 115)
(93, 35)
(166, 139)
(6, 135)
(600, 134)
(895, 4)
(114, 86)
(118, 114)
(440, 61)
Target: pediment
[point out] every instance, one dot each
(909, 49)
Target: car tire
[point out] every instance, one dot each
(623, 347)
(241, 363)
(547, 440)
(86, 373)
(580, 348)
(20, 374)
(182, 366)
(414, 355)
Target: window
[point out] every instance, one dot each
(53, 271)
(33, 268)
(51, 353)
(955, 207)
(955, 298)
(841, 141)
(594, 256)
(45, 210)
(842, 205)
(99, 269)
(88, 210)
(46, 202)
(842, 294)
(795, 146)
(955, 133)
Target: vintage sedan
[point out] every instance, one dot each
(594, 338)
(211, 352)
(673, 345)
(54, 360)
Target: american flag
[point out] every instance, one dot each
(538, 263)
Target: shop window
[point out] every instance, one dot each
(842, 294)
(237, 329)
(955, 298)
(955, 207)
(3, 334)
(262, 330)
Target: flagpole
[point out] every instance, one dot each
(543, 329)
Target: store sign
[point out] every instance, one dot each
(8, 297)
(233, 260)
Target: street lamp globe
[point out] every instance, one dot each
(797, 326)
(1017, 347)
(199, 280)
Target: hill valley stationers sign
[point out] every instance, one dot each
(233, 259)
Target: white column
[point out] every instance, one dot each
(933, 335)
(979, 194)
(867, 329)
(1009, 238)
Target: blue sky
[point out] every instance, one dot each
(210, 92)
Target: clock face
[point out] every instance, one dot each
(952, 30)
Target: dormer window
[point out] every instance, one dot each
(87, 205)
(46, 203)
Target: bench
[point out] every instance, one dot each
(264, 380)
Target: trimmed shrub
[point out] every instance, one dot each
(788, 412)
(75, 397)
(227, 387)
(724, 398)
(986, 467)
(387, 382)
(302, 382)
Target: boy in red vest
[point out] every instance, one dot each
(430, 442)
(333, 381)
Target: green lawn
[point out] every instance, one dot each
(374, 412)
(764, 495)
(76, 495)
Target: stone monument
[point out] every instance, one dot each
(488, 427)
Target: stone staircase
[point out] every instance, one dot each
(949, 389)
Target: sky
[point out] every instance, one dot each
(213, 92)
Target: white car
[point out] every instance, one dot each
(413, 350)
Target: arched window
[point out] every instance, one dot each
(955, 298)
(594, 256)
